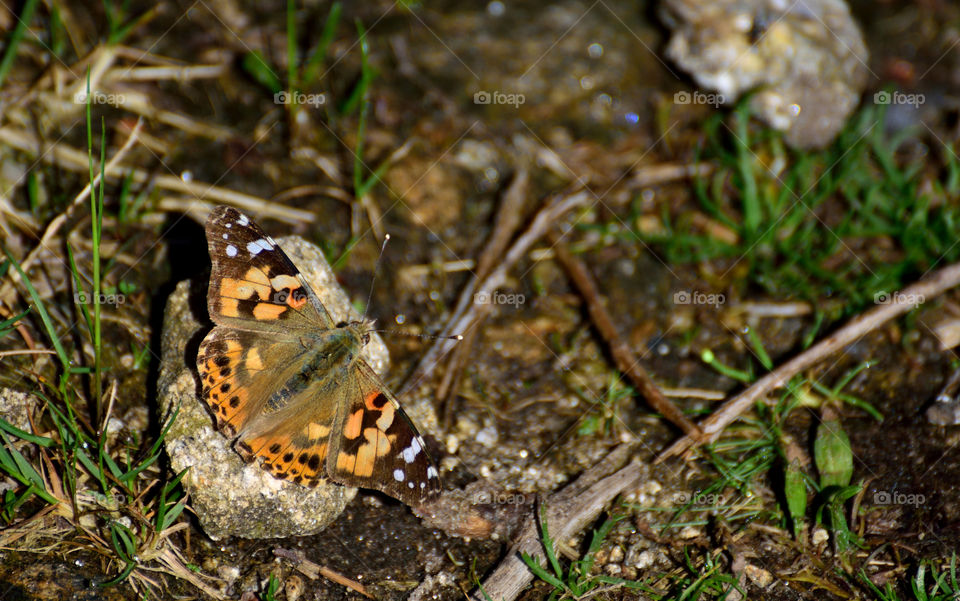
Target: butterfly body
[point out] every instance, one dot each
(289, 384)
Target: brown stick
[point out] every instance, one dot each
(314, 570)
(568, 512)
(464, 315)
(626, 361)
(933, 285)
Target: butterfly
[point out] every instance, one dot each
(287, 383)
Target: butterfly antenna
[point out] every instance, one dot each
(376, 270)
(412, 335)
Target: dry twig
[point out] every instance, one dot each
(314, 570)
(926, 289)
(626, 361)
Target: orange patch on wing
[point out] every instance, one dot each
(259, 279)
(233, 404)
(253, 283)
(253, 361)
(383, 445)
(296, 300)
(268, 312)
(386, 418)
(346, 461)
(367, 454)
(368, 402)
(230, 307)
(352, 428)
(316, 431)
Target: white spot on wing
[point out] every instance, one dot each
(398, 475)
(410, 453)
(225, 236)
(242, 220)
(231, 250)
(254, 248)
(410, 484)
(258, 245)
(432, 472)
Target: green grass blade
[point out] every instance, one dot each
(42, 441)
(42, 311)
(13, 41)
(540, 572)
(319, 53)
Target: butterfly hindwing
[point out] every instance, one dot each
(253, 284)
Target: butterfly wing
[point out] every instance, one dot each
(377, 446)
(253, 284)
(242, 373)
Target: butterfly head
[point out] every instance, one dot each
(361, 329)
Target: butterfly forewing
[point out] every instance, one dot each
(379, 447)
(268, 375)
(253, 285)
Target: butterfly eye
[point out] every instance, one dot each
(342, 324)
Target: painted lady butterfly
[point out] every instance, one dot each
(288, 383)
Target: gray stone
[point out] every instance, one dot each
(230, 497)
(806, 60)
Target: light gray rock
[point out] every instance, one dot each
(229, 496)
(807, 60)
